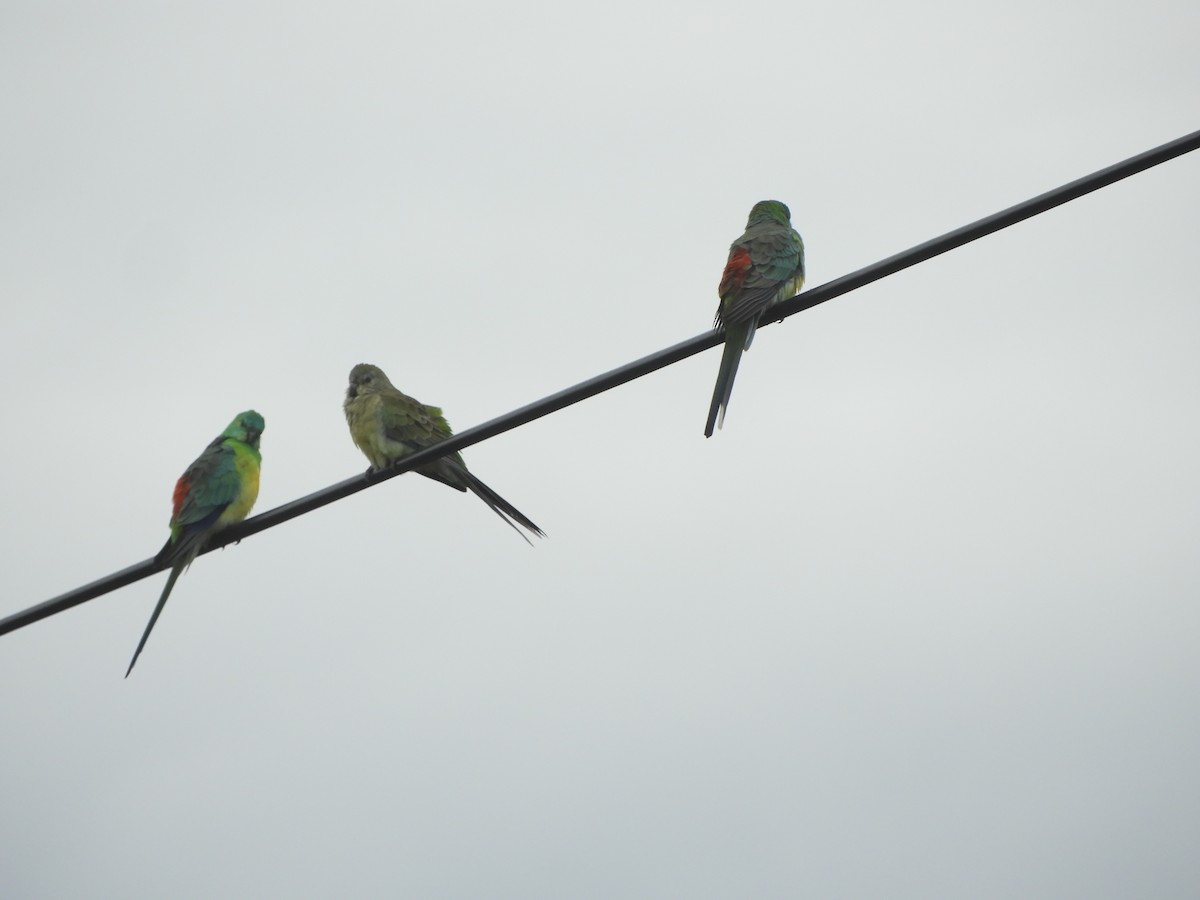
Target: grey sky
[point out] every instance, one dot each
(921, 621)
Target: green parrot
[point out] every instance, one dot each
(387, 426)
(766, 266)
(216, 491)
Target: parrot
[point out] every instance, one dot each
(216, 491)
(766, 266)
(387, 425)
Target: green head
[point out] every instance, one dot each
(769, 211)
(247, 428)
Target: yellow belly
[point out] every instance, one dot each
(248, 468)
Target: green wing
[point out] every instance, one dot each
(212, 483)
(777, 256)
(410, 422)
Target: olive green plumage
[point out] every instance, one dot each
(387, 425)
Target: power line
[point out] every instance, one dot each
(630, 371)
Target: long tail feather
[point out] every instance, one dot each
(502, 508)
(731, 357)
(751, 328)
(176, 571)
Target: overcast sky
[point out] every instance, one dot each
(922, 620)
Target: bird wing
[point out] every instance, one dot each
(407, 421)
(202, 494)
(209, 485)
(760, 263)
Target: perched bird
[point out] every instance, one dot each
(387, 426)
(216, 491)
(766, 265)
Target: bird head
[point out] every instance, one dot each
(247, 428)
(366, 379)
(769, 211)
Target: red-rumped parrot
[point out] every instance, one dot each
(766, 265)
(387, 426)
(216, 491)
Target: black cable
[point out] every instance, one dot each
(630, 371)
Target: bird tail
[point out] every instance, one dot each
(751, 328)
(502, 507)
(176, 571)
(731, 357)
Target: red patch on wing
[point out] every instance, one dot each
(181, 491)
(735, 271)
